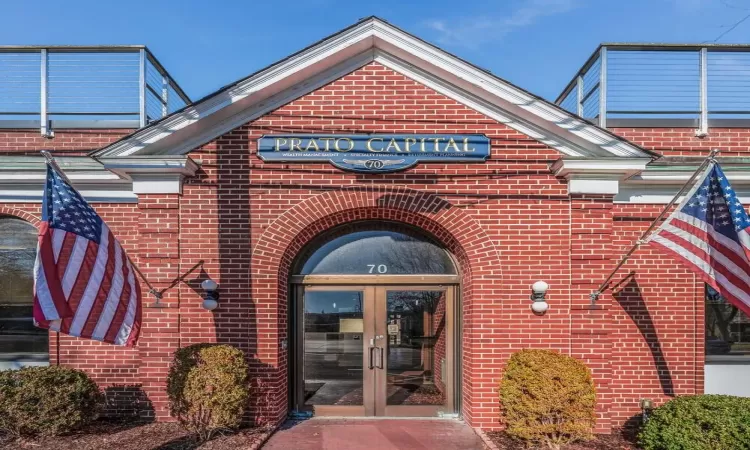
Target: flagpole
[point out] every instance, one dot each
(594, 296)
(151, 289)
(51, 161)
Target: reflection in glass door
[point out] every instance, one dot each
(416, 347)
(374, 350)
(333, 350)
(417, 373)
(334, 330)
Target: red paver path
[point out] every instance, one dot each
(374, 434)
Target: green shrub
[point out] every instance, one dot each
(207, 388)
(47, 400)
(702, 422)
(547, 398)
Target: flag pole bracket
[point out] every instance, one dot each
(158, 296)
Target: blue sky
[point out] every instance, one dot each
(537, 44)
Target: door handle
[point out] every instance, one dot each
(380, 361)
(370, 364)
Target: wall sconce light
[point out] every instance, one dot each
(211, 301)
(538, 291)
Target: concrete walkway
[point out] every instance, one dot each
(374, 434)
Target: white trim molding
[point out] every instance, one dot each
(98, 193)
(680, 176)
(79, 169)
(662, 193)
(157, 184)
(153, 174)
(660, 186)
(111, 180)
(22, 179)
(164, 165)
(619, 168)
(597, 176)
(662, 179)
(372, 40)
(593, 186)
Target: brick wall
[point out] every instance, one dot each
(683, 142)
(509, 223)
(65, 142)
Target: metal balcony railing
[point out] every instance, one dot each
(84, 87)
(663, 85)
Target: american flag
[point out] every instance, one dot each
(708, 233)
(84, 284)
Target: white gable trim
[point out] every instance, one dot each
(367, 41)
(476, 103)
(343, 45)
(267, 105)
(504, 90)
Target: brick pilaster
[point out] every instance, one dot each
(591, 260)
(159, 260)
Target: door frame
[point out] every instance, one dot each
(370, 284)
(416, 280)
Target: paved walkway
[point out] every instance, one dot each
(374, 434)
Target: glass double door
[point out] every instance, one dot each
(375, 350)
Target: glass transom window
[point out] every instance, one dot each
(375, 249)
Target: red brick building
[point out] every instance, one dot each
(371, 292)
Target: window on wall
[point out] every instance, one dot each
(375, 249)
(21, 343)
(727, 330)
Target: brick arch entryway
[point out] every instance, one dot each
(280, 243)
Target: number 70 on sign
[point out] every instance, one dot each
(377, 268)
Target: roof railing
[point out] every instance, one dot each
(652, 85)
(84, 87)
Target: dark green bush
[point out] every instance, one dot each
(207, 388)
(547, 398)
(702, 422)
(47, 400)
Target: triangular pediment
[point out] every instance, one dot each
(372, 40)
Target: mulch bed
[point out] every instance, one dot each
(601, 442)
(137, 436)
